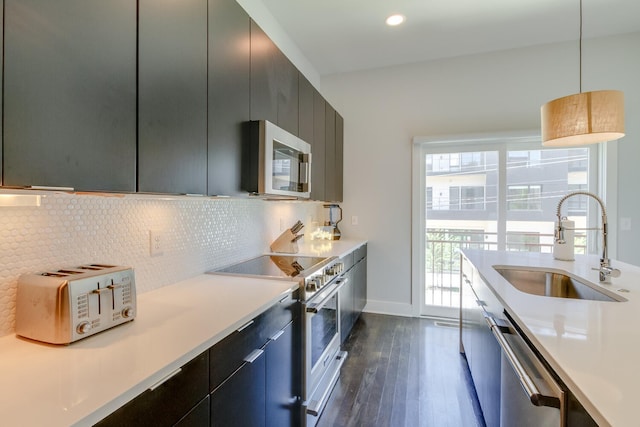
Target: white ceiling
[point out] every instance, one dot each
(347, 35)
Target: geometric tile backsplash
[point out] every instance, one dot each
(198, 234)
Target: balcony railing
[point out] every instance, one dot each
(442, 259)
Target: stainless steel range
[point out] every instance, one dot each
(320, 280)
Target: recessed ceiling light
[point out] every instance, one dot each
(394, 20)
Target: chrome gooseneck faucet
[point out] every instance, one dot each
(605, 270)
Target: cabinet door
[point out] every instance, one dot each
(229, 93)
(318, 156)
(1, 51)
(70, 94)
(330, 155)
(347, 305)
(172, 96)
(287, 94)
(283, 378)
(339, 158)
(240, 400)
(169, 402)
(305, 109)
(198, 416)
(264, 76)
(360, 292)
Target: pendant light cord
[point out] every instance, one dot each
(580, 47)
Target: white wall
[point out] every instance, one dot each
(261, 15)
(502, 91)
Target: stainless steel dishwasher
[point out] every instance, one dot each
(529, 395)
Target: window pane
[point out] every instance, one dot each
(536, 180)
(462, 209)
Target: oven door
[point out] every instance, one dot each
(323, 358)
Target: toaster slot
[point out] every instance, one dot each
(101, 266)
(54, 274)
(70, 271)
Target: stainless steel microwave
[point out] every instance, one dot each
(275, 162)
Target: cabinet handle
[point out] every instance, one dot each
(245, 326)
(277, 335)
(284, 299)
(481, 303)
(251, 357)
(165, 379)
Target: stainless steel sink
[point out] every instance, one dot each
(552, 283)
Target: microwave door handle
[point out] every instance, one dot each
(304, 168)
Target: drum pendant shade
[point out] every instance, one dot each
(583, 118)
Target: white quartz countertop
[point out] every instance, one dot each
(593, 346)
(326, 248)
(81, 383)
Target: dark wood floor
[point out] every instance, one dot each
(403, 372)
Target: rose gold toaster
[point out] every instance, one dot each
(66, 305)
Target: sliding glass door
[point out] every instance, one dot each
(494, 195)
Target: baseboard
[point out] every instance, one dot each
(392, 308)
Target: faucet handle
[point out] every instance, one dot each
(606, 273)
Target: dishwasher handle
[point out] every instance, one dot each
(536, 397)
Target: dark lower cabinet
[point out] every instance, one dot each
(347, 305)
(198, 416)
(360, 279)
(172, 96)
(240, 400)
(353, 295)
(255, 371)
(170, 402)
(263, 391)
(70, 94)
(283, 377)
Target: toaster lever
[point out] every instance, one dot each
(101, 290)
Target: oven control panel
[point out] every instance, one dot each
(315, 282)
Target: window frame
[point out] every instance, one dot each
(498, 141)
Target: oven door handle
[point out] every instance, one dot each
(316, 307)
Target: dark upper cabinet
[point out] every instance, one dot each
(287, 88)
(1, 44)
(318, 156)
(229, 93)
(339, 158)
(264, 76)
(330, 178)
(274, 83)
(70, 94)
(305, 109)
(172, 96)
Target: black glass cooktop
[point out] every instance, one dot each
(273, 266)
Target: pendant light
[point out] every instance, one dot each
(583, 118)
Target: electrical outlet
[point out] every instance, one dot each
(156, 242)
(354, 220)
